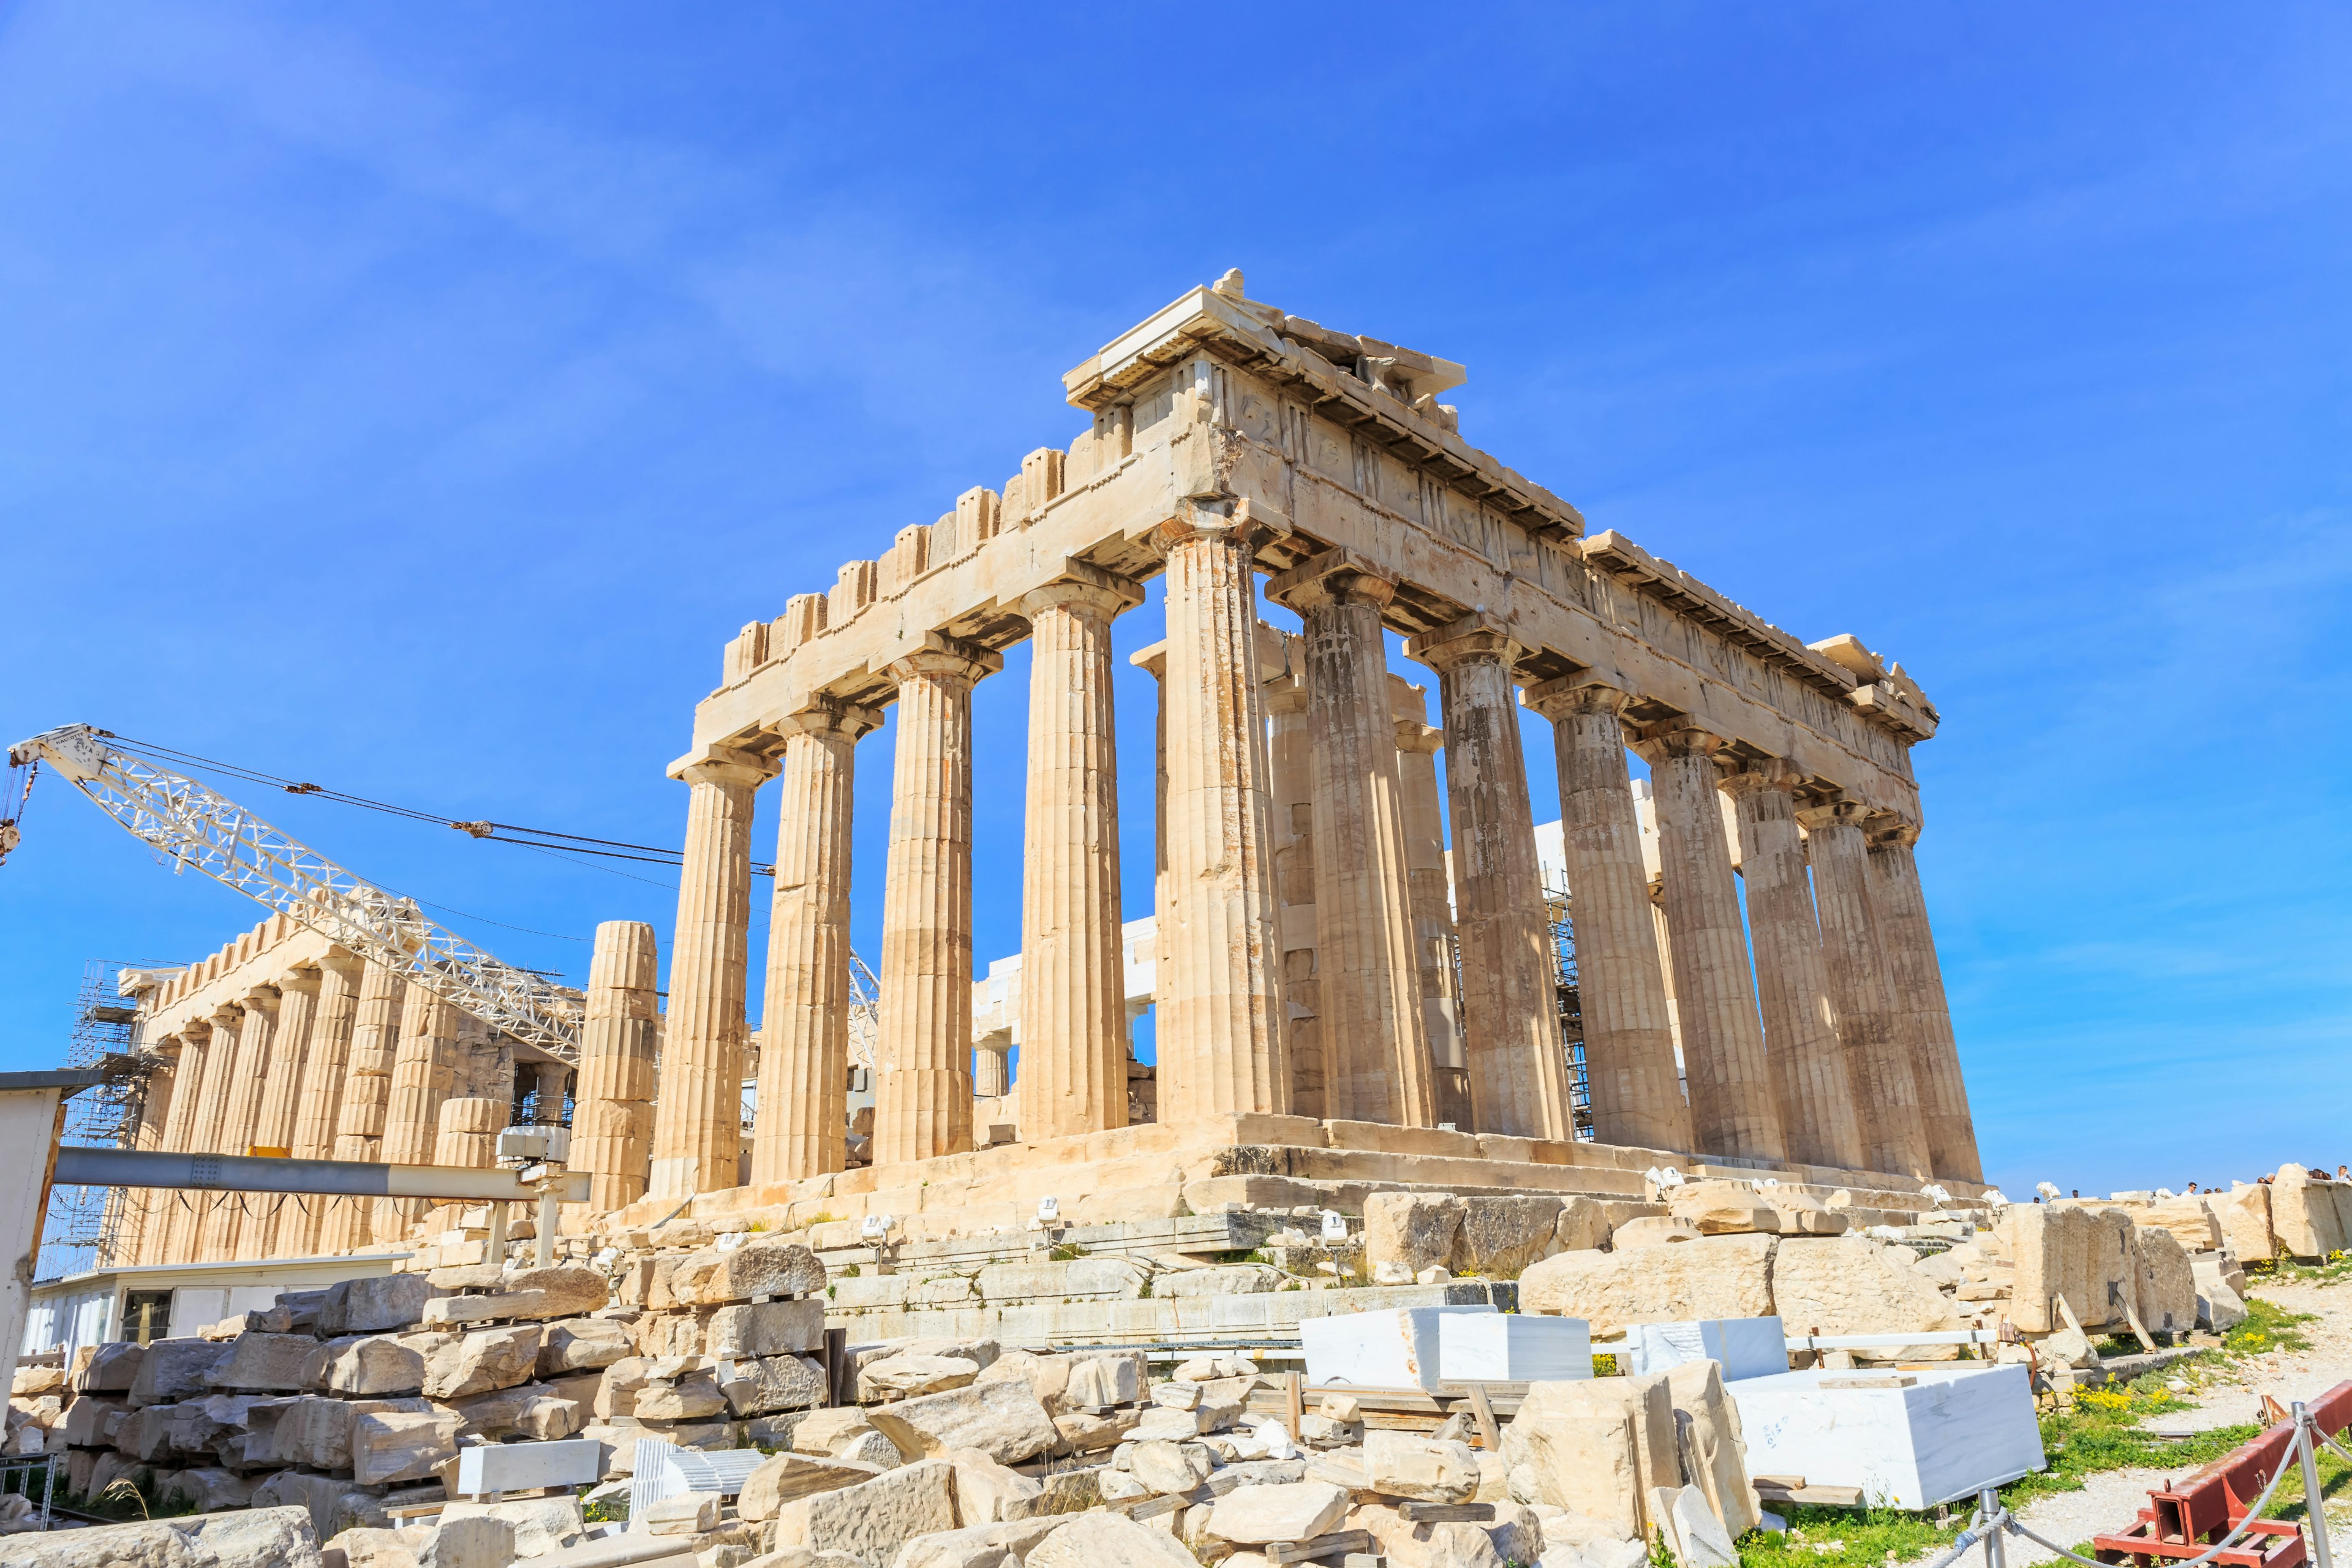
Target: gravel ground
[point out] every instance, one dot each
(2114, 1499)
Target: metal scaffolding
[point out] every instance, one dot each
(1570, 1008)
(80, 1227)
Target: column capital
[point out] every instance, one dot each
(342, 961)
(1886, 827)
(1567, 695)
(1676, 737)
(828, 716)
(1831, 813)
(1152, 660)
(945, 658)
(1248, 523)
(1761, 773)
(304, 978)
(226, 1017)
(262, 999)
(1085, 586)
(723, 765)
(1334, 577)
(1474, 636)
(1422, 740)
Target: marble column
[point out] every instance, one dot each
(1924, 1015)
(1072, 979)
(1519, 1068)
(1220, 1018)
(922, 1090)
(1629, 1044)
(1377, 1065)
(285, 1084)
(236, 1215)
(137, 1244)
(423, 1072)
(1735, 1107)
(1817, 1109)
(698, 1113)
(349, 1224)
(1877, 1064)
(326, 1070)
(176, 1214)
(612, 1107)
(1290, 785)
(1418, 743)
(803, 1127)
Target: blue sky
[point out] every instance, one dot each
(413, 399)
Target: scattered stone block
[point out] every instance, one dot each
(766, 1328)
(314, 1432)
(1425, 1469)
(113, 1369)
(1652, 1230)
(1408, 1232)
(541, 1525)
(2165, 1285)
(758, 1269)
(581, 1344)
(987, 1492)
(1169, 1467)
(1713, 1277)
(398, 1445)
(1501, 1236)
(373, 1305)
(468, 1540)
(825, 1431)
(786, 1477)
(1847, 1285)
(1298, 1510)
(263, 1363)
(688, 1515)
(874, 1519)
(1101, 1540)
(1002, 1420)
(763, 1385)
(911, 1374)
(246, 1536)
(482, 1361)
(175, 1370)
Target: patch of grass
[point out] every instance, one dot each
(1066, 1252)
(2334, 1269)
(2268, 1327)
(130, 1497)
(606, 1510)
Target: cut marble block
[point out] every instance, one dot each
(516, 1467)
(1512, 1347)
(1908, 1439)
(1748, 1347)
(1377, 1350)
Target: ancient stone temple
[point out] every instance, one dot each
(1234, 450)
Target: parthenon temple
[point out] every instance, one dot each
(1352, 961)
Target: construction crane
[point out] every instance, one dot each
(195, 826)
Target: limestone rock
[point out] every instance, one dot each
(113, 1369)
(1411, 1231)
(1085, 1434)
(314, 1432)
(762, 1267)
(870, 1448)
(365, 1546)
(400, 1446)
(1425, 1469)
(1221, 1279)
(1295, 1510)
(1097, 1381)
(581, 1344)
(566, 1290)
(1082, 1278)
(688, 1514)
(987, 1492)
(1722, 1208)
(263, 1363)
(1652, 1230)
(1002, 1420)
(2189, 1219)
(1707, 1424)
(210, 1491)
(1501, 1236)
(468, 1540)
(1700, 1540)
(1410, 1545)
(766, 1328)
(824, 1431)
(1169, 1467)
(914, 1375)
(784, 1477)
(1103, 1540)
(689, 1394)
(1846, 1284)
(973, 1546)
(175, 1370)
(371, 1367)
(2220, 1306)
(1049, 1376)
(528, 1410)
(2064, 1249)
(2303, 1213)
(372, 1306)
(763, 1385)
(1717, 1276)
(482, 1361)
(1595, 1448)
(2165, 1285)
(2244, 1216)
(875, 1517)
(541, 1525)
(279, 1537)
(1583, 1225)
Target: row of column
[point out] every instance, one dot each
(1850, 1012)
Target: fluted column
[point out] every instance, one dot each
(1220, 1021)
(326, 1068)
(1735, 1107)
(1817, 1109)
(1925, 1015)
(424, 1071)
(1073, 981)
(136, 1244)
(1877, 1064)
(177, 1214)
(1291, 791)
(611, 1106)
(235, 1217)
(802, 1126)
(1629, 1047)
(698, 1113)
(1418, 743)
(1518, 1069)
(285, 1083)
(922, 1092)
(350, 1223)
(1375, 1045)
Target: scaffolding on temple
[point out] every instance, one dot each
(1570, 1006)
(81, 1225)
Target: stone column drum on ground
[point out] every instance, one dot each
(1073, 976)
(1629, 1049)
(804, 1033)
(1519, 1075)
(1877, 1064)
(922, 1081)
(1900, 908)
(1219, 1023)
(698, 1114)
(350, 1223)
(1735, 1107)
(1817, 1111)
(612, 1107)
(1375, 1047)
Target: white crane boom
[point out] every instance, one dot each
(198, 826)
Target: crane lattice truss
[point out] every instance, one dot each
(196, 827)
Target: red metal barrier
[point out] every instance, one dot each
(2184, 1519)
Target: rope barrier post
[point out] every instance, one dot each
(1988, 1518)
(2314, 1502)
